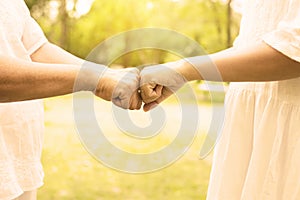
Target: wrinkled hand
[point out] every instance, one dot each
(121, 87)
(158, 82)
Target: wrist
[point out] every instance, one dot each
(104, 86)
(187, 70)
(88, 76)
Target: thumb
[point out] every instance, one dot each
(149, 106)
(166, 92)
(151, 92)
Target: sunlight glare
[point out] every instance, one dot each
(54, 5)
(83, 6)
(149, 5)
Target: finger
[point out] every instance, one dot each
(149, 106)
(135, 101)
(117, 102)
(151, 92)
(140, 101)
(165, 94)
(139, 105)
(158, 90)
(125, 94)
(121, 99)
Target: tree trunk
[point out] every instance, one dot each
(64, 24)
(229, 23)
(217, 20)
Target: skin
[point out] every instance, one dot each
(53, 73)
(254, 64)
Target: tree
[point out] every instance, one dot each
(209, 22)
(229, 23)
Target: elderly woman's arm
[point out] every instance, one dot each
(23, 80)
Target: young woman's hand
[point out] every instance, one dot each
(158, 82)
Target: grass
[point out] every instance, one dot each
(71, 173)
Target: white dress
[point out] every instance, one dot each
(258, 154)
(21, 124)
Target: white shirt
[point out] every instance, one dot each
(257, 156)
(21, 123)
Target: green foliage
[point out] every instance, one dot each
(205, 21)
(41, 4)
(31, 3)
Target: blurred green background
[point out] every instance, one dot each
(79, 26)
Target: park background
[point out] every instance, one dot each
(78, 26)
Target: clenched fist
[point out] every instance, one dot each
(121, 87)
(117, 85)
(158, 82)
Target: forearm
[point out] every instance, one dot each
(22, 80)
(257, 63)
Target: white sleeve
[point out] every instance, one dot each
(33, 37)
(286, 38)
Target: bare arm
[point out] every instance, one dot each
(23, 80)
(258, 63)
(120, 86)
